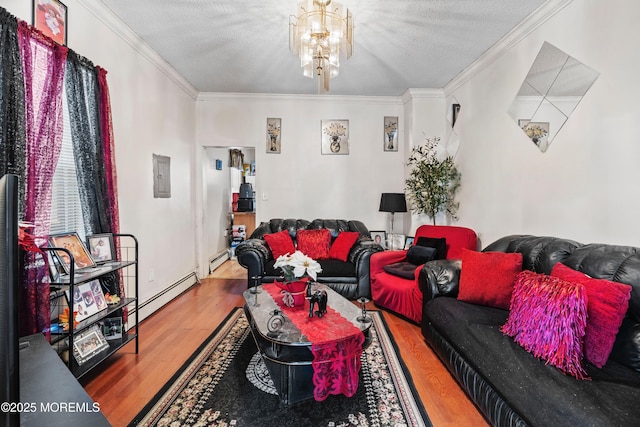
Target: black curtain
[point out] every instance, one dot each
(84, 118)
(12, 104)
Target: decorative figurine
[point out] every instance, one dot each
(319, 297)
(275, 323)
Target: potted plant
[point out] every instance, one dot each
(433, 181)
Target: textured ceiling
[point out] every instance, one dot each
(242, 45)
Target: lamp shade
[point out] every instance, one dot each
(393, 202)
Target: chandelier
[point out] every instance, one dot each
(317, 34)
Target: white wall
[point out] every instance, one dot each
(216, 201)
(153, 112)
(585, 186)
(301, 182)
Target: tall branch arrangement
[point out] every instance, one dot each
(433, 182)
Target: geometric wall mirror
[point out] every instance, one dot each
(453, 114)
(553, 88)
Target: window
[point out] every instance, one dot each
(66, 210)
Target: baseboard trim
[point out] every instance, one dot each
(165, 296)
(217, 260)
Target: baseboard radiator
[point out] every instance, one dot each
(169, 293)
(216, 260)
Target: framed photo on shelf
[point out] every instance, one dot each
(112, 328)
(71, 242)
(50, 17)
(396, 241)
(408, 242)
(101, 247)
(88, 299)
(380, 237)
(88, 343)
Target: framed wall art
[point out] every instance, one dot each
(335, 136)
(273, 135)
(72, 243)
(50, 17)
(101, 247)
(390, 134)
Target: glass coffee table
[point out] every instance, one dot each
(285, 350)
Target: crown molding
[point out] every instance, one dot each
(270, 97)
(417, 93)
(519, 32)
(107, 17)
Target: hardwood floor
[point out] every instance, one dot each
(127, 381)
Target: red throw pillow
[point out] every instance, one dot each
(280, 243)
(342, 245)
(607, 304)
(314, 243)
(548, 318)
(487, 278)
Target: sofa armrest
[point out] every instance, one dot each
(360, 256)
(440, 278)
(380, 259)
(253, 254)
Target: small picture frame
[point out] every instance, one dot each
(273, 135)
(218, 164)
(50, 17)
(88, 343)
(335, 136)
(101, 247)
(112, 328)
(71, 242)
(408, 242)
(379, 237)
(87, 299)
(390, 134)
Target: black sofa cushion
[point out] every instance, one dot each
(528, 385)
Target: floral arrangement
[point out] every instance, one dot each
(273, 130)
(535, 132)
(298, 266)
(391, 128)
(335, 129)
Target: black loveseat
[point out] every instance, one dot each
(510, 386)
(350, 278)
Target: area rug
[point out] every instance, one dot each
(225, 383)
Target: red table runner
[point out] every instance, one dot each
(336, 345)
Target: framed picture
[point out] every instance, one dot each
(88, 299)
(50, 17)
(71, 242)
(380, 237)
(408, 242)
(335, 136)
(390, 134)
(101, 247)
(455, 111)
(273, 135)
(88, 343)
(396, 241)
(218, 164)
(112, 328)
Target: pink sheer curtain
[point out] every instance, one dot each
(43, 63)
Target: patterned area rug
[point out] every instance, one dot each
(225, 383)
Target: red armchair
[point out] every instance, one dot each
(403, 296)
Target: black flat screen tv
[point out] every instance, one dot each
(9, 282)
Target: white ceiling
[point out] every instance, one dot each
(242, 46)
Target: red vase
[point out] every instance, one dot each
(297, 290)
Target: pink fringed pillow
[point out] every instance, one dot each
(606, 307)
(548, 318)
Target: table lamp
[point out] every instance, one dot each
(392, 203)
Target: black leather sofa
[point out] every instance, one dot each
(510, 386)
(350, 278)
